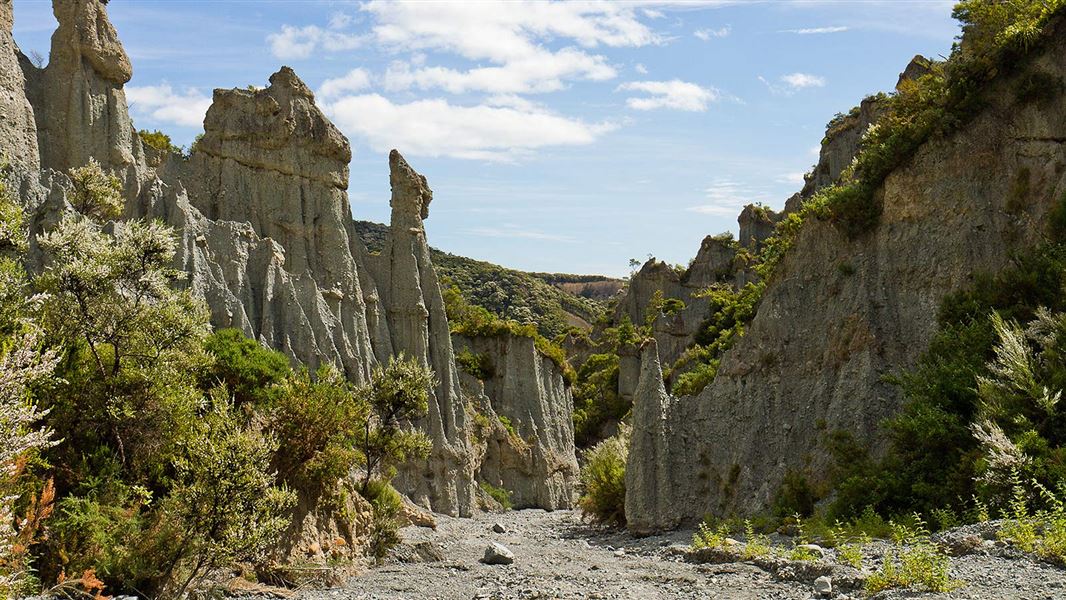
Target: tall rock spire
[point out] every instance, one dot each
(419, 328)
(81, 107)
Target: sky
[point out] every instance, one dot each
(557, 136)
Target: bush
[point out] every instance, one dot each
(604, 480)
(244, 366)
(500, 495)
(159, 140)
(915, 563)
(476, 364)
(317, 420)
(387, 505)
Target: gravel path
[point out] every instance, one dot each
(558, 556)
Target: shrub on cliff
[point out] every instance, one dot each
(604, 480)
(957, 389)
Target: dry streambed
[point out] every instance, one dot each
(558, 556)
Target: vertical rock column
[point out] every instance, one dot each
(18, 129)
(80, 104)
(419, 329)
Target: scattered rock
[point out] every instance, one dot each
(823, 586)
(497, 528)
(813, 549)
(620, 552)
(497, 554)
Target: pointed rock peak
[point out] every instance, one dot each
(918, 67)
(287, 79)
(86, 32)
(410, 190)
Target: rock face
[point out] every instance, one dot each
(18, 128)
(534, 460)
(80, 107)
(419, 328)
(266, 235)
(814, 358)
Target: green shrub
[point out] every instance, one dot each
(500, 495)
(915, 563)
(316, 420)
(604, 480)
(509, 426)
(477, 364)
(159, 140)
(387, 505)
(398, 393)
(596, 399)
(795, 497)
(245, 367)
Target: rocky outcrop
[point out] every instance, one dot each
(816, 355)
(18, 128)
(648, 482)
(265, 230)
(409, 289)
(757, 223)
(78, 99)
(270, 160)
(534, 459)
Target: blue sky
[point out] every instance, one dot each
(563, 137)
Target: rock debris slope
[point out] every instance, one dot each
(815, 356)
(264, 227)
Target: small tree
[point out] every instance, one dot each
(398, 393)
(95, 193)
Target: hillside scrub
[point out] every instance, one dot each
(471, 320)
(537, 299)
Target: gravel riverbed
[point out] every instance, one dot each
(556, 555)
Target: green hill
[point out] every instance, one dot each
(552, 301)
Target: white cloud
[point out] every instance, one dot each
(791, 83)
(510, 231)
(707, 34)
(816, 30)
(523, 76)
(803, 80)
(727, 198)
(520, 40)
(340, 20)
(355, 80)
(794, 178)
(162, 104)
(675, 94)
(640, 68)
(296, 43)
(435, 127)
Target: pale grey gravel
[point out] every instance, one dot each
(559, 556)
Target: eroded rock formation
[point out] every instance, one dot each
(534, 459)
(840, 314)
(266, 236)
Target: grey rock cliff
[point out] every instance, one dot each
(419, 329)
(537, 463)
(814, 358)
(262, 216)
(78, 99)
(18, 128)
